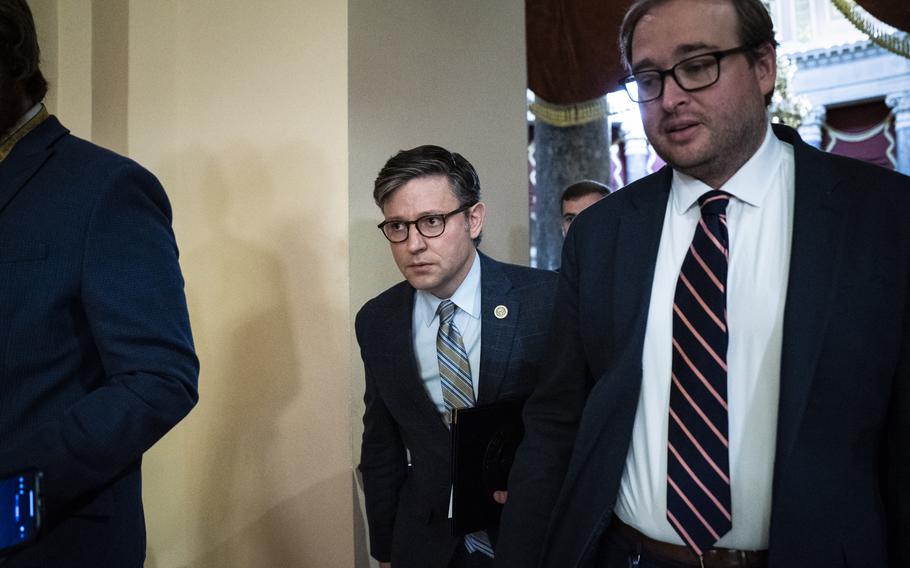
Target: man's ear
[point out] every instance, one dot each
(476, 216)
(765, 67)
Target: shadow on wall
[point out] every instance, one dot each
(241, 315)
(262, 491)
(273, 539)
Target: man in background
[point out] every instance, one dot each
(740, 395)
(461, 330)
(96, 355)
(578, 197)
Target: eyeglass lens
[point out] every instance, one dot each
(690, 74)
(429, 226)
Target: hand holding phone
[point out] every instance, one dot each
(20, 509)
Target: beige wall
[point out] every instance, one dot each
(266, 122)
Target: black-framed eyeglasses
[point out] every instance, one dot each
(429, 226)
(691, 74)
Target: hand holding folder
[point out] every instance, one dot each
(484, 440)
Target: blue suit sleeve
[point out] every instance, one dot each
(383, 463)
(134, 305)
(896, 468)
(551, 418)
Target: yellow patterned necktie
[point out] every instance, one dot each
(6, 146)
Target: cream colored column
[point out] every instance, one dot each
(110, 73)
(44, 13)
(243, 106)
(240, 108)
(74, 75)
(65, 32)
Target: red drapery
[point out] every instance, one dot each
(863, 131)
(572, 48)
(895, 13)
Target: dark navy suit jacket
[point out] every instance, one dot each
(96, 356)
(407, 508)
(841, 489)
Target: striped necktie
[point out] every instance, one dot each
(698, 460)
(457, 391)
(454, 368)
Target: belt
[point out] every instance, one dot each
(713, 558)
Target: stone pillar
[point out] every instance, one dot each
(571, 143)
(637, 150)
(900, 108)
(810, 129)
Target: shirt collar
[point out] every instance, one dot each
(743, 185)
(466, 296)
(22, 120)
(28, 122)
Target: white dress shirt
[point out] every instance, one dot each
(760, 227)
(425, 325)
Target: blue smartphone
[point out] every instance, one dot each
(20, 509)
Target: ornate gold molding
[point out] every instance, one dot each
(864, 21)
(570, 115)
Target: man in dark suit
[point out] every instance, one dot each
(96, 356)
(462, 329)
(730, 382)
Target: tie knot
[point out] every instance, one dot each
(446, 311)
(714, 202)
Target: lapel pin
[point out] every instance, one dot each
(500, 311)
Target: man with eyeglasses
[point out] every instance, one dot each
(461, 330)
(740, 395)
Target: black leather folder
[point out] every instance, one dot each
(484, 440)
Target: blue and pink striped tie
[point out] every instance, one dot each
(698, 459)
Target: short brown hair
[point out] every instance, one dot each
(426, 161)
(582, 188)
(754, 28)
(19, 52)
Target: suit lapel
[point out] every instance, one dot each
(401, 347)
(631, 257)
(819, 228)
(27, 157)
(637, 241)
(496, 334)
(636, 244)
